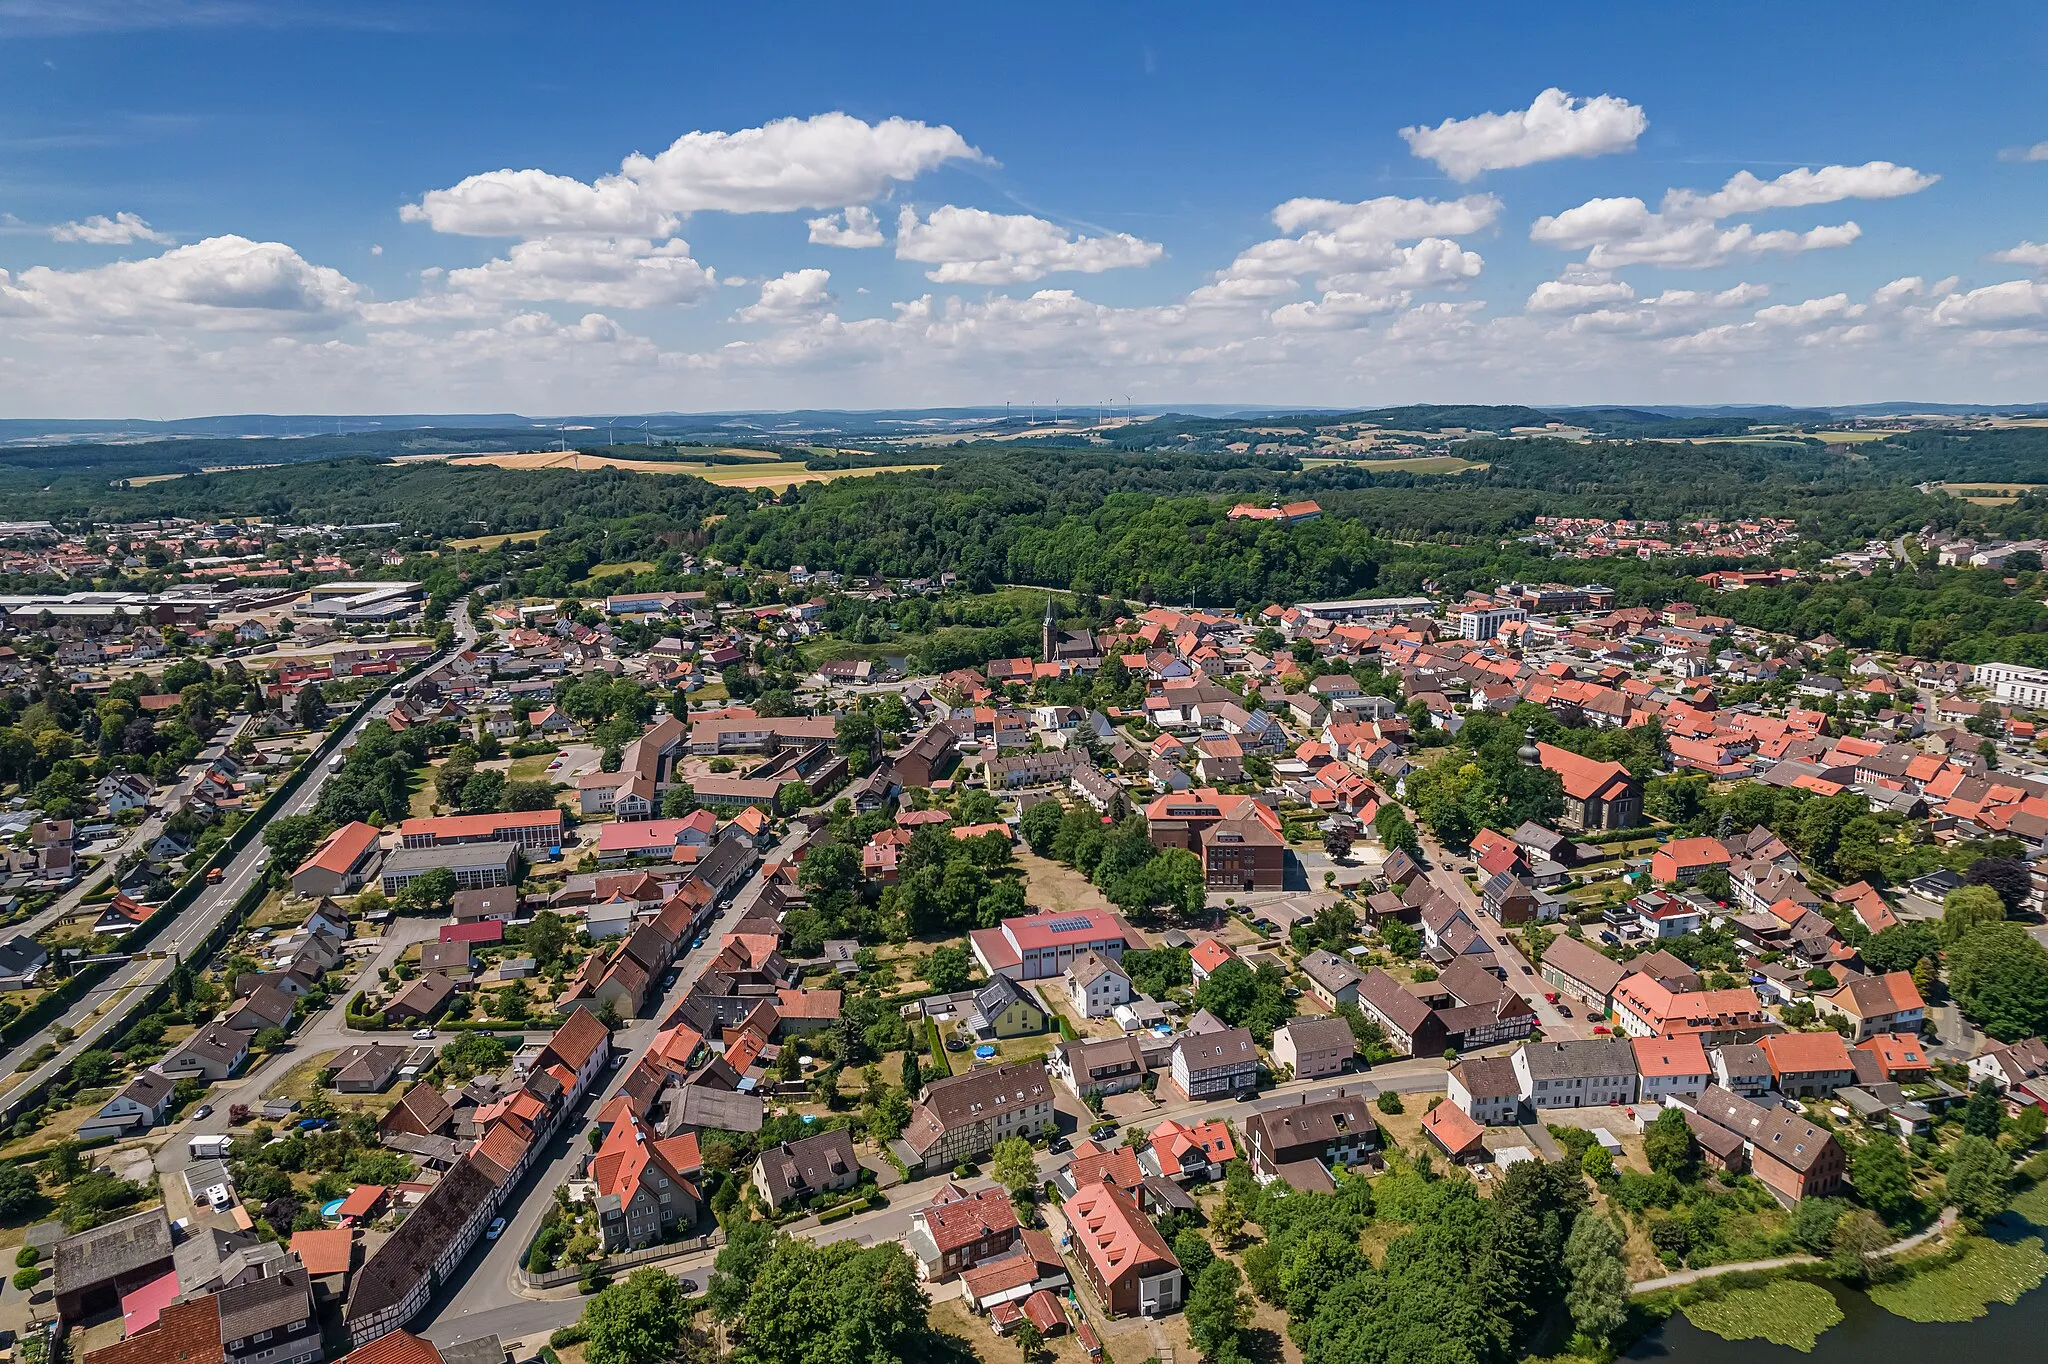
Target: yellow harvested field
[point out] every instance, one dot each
(147, 479)
(516, 537)
(749, 475)
(1850, 437)
(734, 477)
(1992, 489)
(617, 570)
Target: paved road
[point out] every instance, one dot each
(483, 1293)
(326, 1031)
(91, 1017)
(1523, 978)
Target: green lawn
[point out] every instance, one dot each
(533, 767)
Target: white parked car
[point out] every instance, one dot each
(422, 1034)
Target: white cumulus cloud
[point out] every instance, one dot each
(220, 284)
(1745, 193)
(1687, 232)
(1577, 291)
(1340, 308)
(533, 203)
(852, 227)
(600, 272)
(974, 246)
(100, 230)
(2037, 152)
(1335, 240)
(2015, 303)
(799, 293)
(1553, 127)
(779, 167)
(2033, 254)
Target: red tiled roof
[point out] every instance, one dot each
(471, 826)
(1452, 1128)
(341, 850)
(578, 1039)
(1583, 778)
(1804, 1053)
(185, 1333)
(1113, 1234)
(400, 1347)
(963, 1221)
(325, 1251)
(361, 1201)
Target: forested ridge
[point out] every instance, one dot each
(1153, 525)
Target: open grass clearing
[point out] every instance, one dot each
(1424, 464)
(1981, 494)
(533, 767)
(1789, 1312)
(424, 793)
(620, 570)
(1049, 885)
(1988, 1270)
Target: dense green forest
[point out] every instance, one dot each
(433, 498)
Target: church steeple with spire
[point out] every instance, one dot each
(1049, 634)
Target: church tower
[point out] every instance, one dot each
(1049, 634)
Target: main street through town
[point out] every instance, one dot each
(1524, 977)
(483, 1291)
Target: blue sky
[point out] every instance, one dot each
(213, 205)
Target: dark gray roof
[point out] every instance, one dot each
(1320, 1032)
(409, 1255)
(999, 994)
(482, 1350)
(799, 1167)
(1777, 1131)
(1592, 1058)
(120, 1247)
(1582, 963)
(1488, 1077)
(270, 1304)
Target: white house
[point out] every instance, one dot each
(1096, 985)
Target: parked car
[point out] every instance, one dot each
(495, 1230)
(422, 1034)
(1565, 1009)
(202, 1113)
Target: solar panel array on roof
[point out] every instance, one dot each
(1070, 925)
